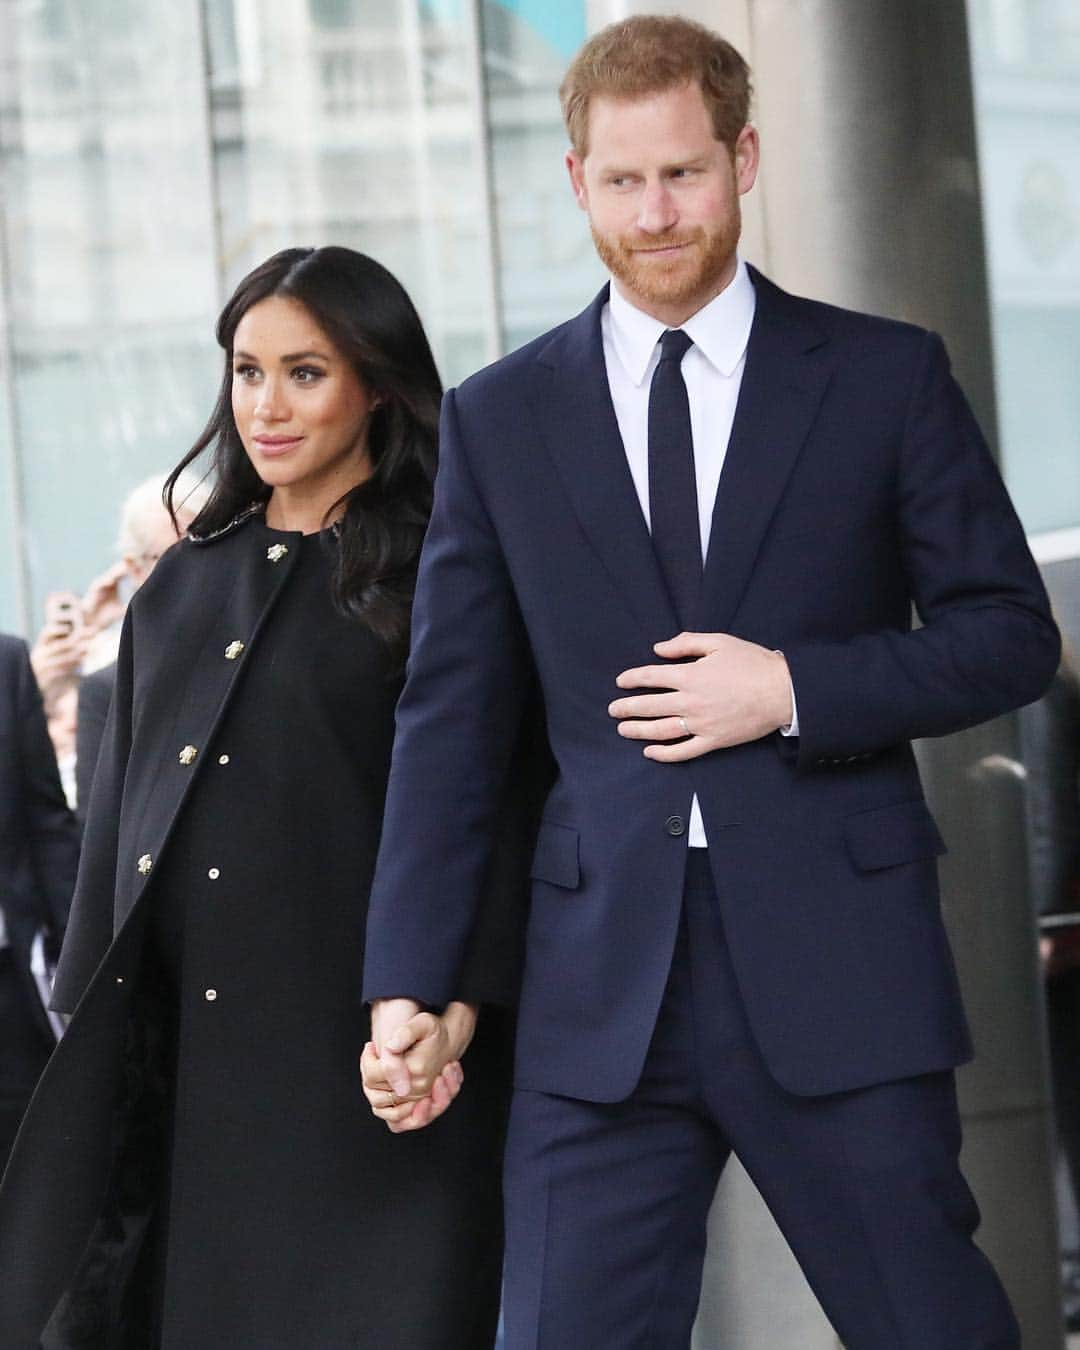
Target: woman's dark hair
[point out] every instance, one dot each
(367, 315)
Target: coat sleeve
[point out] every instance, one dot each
(496, 949)
(52, 836)
(458, 722)
(987, 642)
(90, 928)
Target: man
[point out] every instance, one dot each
(788, 991)
(39, 854)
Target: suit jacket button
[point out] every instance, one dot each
(675, 825)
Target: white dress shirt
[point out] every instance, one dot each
(712, 370)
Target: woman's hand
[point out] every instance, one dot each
(431, 1048)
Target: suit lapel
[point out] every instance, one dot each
(786, 373)
(572, 403)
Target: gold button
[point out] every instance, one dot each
(233, 650)
(276, 552)
(187, 755)
(210, 995)
(223, 759)
(144, 864)
(214, 873)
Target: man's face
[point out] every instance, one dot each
(662, 196)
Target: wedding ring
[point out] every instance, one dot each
(686, 729)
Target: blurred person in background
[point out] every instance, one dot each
(81, 633)
(202, 1168)
(39, 854)
(146, 531)
(1050, 742)
(61, 700)
(60, 647)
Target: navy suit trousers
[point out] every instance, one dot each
(607, 1202)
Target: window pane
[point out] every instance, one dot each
(548, 267)
(1026, 56)
(111, 284)
(336, 123)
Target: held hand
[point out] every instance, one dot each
(402, 1116)
(388, 1015)
(725, 692)
(429, 1048)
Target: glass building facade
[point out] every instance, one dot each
(1026, 56)
(151, 155)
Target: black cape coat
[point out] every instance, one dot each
(78, 1195)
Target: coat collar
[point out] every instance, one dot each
(788, 368)
(787, 371)
(255, 509)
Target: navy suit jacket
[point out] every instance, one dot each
(856, 486)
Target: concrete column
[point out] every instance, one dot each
(868, 197)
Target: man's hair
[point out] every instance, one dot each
(648, 54)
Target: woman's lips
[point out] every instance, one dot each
(276, 445)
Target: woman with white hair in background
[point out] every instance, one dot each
(146, 531)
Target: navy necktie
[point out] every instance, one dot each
(673, 504)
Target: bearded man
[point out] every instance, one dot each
(701, 513)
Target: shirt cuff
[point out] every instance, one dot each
(792, 728)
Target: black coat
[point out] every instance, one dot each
(176, 685)
(39, 844)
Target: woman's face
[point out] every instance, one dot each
(299, 406)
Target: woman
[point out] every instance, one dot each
(240, 1191)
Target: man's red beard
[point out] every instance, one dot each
(683, 277)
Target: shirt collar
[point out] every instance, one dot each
(720, 330)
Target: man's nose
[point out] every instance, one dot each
(658, 212)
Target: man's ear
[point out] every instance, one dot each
(746, 158)
(575, 167)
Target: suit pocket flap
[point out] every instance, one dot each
(891, 835)
(556, 856)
